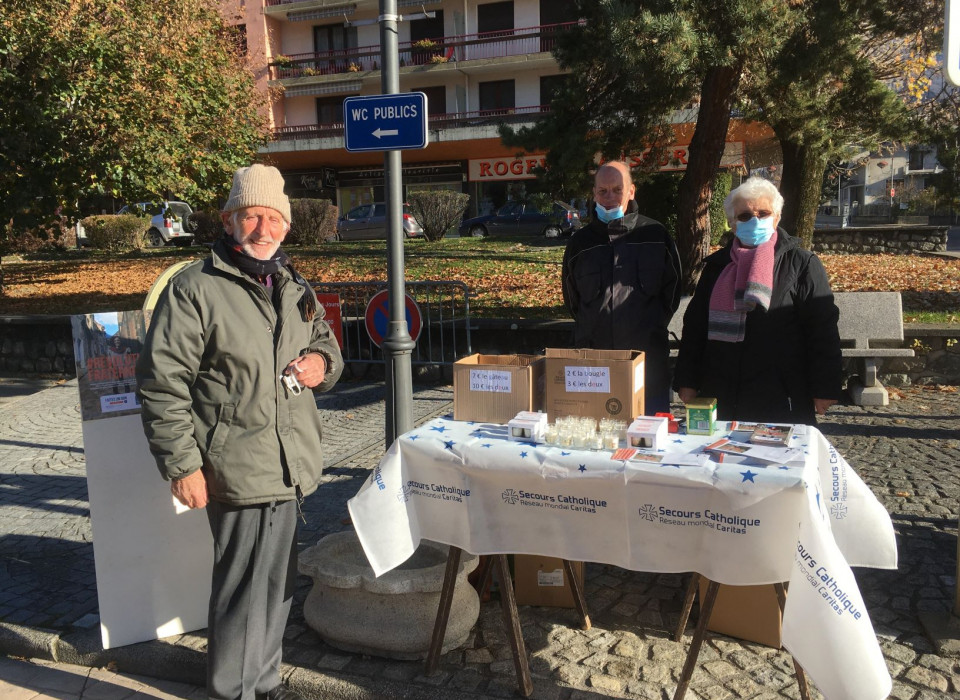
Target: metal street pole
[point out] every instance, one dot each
(397, 344)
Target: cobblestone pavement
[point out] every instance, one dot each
(908, 453)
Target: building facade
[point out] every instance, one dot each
(480, 64)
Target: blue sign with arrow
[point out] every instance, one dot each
(385, 122)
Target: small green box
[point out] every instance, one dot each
(702, 416)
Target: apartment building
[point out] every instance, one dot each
(480, 64)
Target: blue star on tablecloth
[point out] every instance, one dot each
(438, 428)
(582, 468)
(748, 476)
(486, 444)
(564, 454)
(449, 444)
(523, 455)
(413, 437)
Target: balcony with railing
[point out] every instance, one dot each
(487, 117)
(453, 49)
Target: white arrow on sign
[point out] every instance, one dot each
(385, 132)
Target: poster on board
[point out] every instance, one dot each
(153, 563)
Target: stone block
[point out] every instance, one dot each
(393, 615)
(867, 395)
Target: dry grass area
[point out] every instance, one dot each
(507, 279)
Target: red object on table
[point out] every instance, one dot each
(673, 425)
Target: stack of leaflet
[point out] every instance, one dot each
(761, 453)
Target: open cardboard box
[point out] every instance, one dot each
(495, 388)
(594, 383)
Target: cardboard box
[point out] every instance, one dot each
(595, 383)
(746, 612)
(495, 388)
(539, 580)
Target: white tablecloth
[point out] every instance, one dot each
(806, 522)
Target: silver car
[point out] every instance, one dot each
(169, 221)
(369, 221)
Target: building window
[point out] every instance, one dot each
(916, 156)
(427, 28)
(334, 37)
(497, 95)
(436, 99)
(557, 11)
(495, 17)
(550, 87)
(329, 110)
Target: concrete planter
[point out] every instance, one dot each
(391, 616)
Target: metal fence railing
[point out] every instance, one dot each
(444, 306)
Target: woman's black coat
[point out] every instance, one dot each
(790, 353)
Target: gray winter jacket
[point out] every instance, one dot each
(209, 383)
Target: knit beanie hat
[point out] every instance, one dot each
(258, 186)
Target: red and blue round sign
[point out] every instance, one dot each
(377, 317)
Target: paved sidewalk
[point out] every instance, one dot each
(908, 453)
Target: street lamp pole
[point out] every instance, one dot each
(398, 345)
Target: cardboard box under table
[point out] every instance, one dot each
(539, 580)
(746, 612)
(494, 388)
(595, 383)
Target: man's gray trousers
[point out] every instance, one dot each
(254, 576)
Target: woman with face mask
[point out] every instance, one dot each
(760, 334)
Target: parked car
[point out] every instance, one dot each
(369, 221)
(170, 222)
(524, 219)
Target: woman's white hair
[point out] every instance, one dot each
(753, 188)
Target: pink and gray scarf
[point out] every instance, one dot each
(745, 283)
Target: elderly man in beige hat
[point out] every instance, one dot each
(233, 343)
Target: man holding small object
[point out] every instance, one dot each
(232, 343)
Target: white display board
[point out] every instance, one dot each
(153, 564)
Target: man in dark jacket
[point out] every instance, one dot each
(784, 365)
(235, 344)
(621, 281)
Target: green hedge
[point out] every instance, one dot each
(312, 221)
(118, 233)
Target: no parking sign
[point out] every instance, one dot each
(377, 317)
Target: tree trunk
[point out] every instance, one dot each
(801, 184)
(696, 187)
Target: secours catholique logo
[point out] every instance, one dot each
(431, 490)
(713, 519)
(556, 501)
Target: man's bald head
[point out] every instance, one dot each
(613, 185)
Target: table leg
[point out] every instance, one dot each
(511, 620)
(706, 609)
(443, 610)
(797, 668)
(687, 605)
(577, 590)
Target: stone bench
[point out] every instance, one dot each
(871, 328)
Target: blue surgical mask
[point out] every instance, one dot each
(755, 231)
(607, 215)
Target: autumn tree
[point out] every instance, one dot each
(134, 99)
(849, 74)
(632, 66)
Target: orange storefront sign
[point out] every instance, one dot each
(489, 169)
